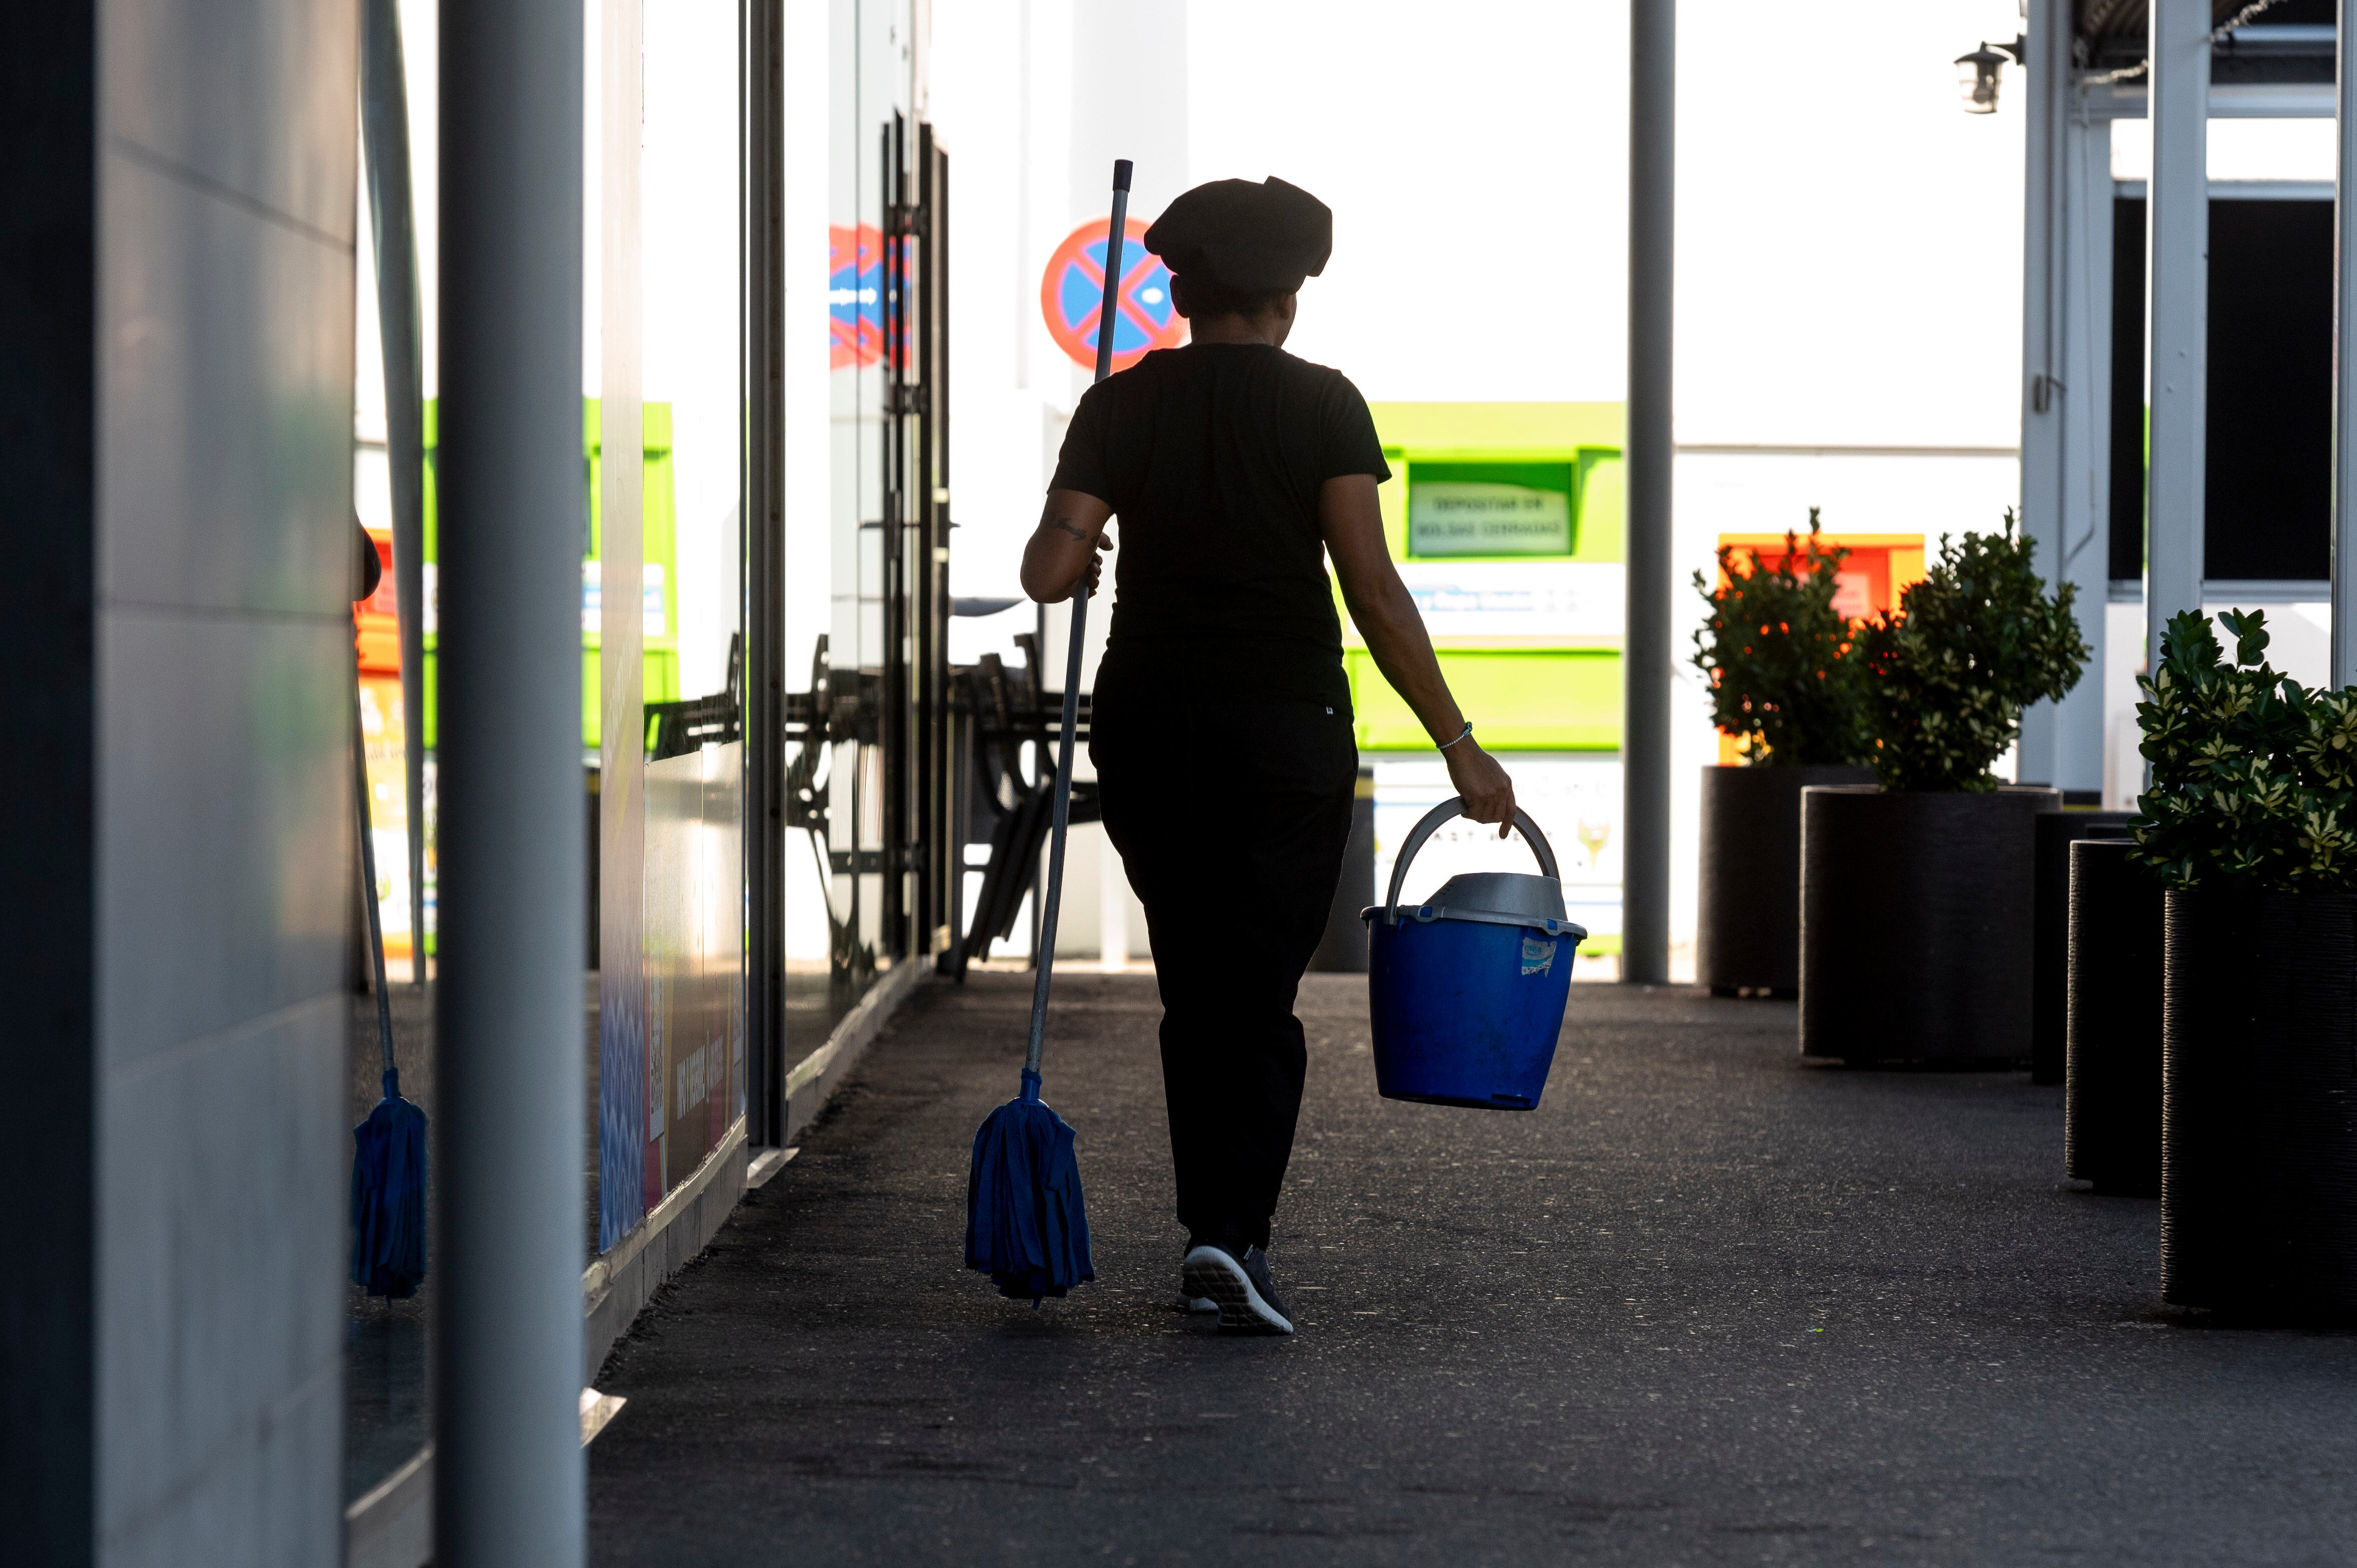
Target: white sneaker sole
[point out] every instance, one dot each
(1196, 1303)
(1213, 1275)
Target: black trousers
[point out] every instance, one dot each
(1231, 821)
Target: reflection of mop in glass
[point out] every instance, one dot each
(388, 1199)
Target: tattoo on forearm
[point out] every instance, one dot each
(1083, 535)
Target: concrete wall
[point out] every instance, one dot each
(193, 544)
(227, 217)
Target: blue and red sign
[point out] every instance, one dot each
(854, 294)
(1072, 296)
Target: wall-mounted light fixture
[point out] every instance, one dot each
(1982, 70)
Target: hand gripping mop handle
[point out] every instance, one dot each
(1116, 233)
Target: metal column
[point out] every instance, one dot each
(934, 855)
(1646, 663)
(2344, 372)
(509, 1244)
(2177, 311)
(765, 577)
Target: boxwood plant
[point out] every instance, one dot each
(2253, 777)
(1784, 674)
(1971, 645)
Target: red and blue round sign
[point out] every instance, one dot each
(1071, 296)
(854, 294)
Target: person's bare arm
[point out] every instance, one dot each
(1353, 523)
(1064, 545)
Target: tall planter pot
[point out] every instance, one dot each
(1917, 926)
(2111, 1098)
(2049, 972)
(2258, 1161)
(1748, 919)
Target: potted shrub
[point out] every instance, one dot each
(2251, 823)
(1787, 681)
(1917, 900)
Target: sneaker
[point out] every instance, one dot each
(1190, 1301)
(1238, 1287)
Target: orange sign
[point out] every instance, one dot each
(376, 620)
(1879, 570)
(1881, 566)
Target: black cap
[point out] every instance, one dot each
(1264, 237)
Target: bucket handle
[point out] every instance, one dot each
(1455, 807)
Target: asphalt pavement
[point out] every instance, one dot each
(1706, 1304)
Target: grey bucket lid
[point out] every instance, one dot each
(1499, 898)
(1501, 895)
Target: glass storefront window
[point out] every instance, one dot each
(857, 569)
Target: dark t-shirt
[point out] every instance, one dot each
(1211, 456)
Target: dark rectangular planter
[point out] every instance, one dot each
(1747, 918)
(2111, 1098)
(2258, 1158)
(1917, 926)
(2050, 969)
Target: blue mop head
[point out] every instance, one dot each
(388, 1196)
(1025, 1224)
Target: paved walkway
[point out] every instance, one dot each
(1707, 1304)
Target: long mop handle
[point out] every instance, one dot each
(1063, 811)
(368, 876)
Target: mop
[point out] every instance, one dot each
(1026, 1226)
(389, 1148)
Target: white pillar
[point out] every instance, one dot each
(2177, 312)
(2086, 561)
(2043, 384)
(2065, 364)
(2344, 377)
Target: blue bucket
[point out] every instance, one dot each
(1467, 992)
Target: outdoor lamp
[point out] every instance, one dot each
(1980, 70)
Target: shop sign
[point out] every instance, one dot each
(1473, 517)
(1554, 601)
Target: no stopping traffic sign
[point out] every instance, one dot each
(1072, 292)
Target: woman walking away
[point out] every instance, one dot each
(1222, 726)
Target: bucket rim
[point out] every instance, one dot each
(1426, 914)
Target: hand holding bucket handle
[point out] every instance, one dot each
(1455, 807)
